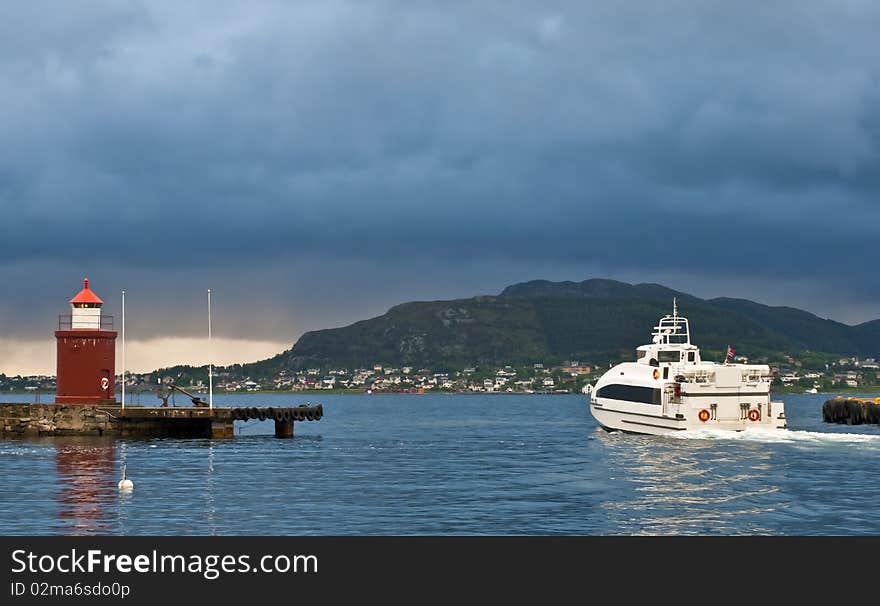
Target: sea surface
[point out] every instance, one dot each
(451, 464)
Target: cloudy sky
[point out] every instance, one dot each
(317, 162)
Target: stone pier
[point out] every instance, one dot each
(137, 421)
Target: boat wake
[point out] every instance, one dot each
(777, 436)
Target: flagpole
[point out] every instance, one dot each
(210, 359)
(123, 350)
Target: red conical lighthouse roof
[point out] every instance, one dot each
(85, 295)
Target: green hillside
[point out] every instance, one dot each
(540, 321)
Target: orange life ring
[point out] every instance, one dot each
(754, 414)
(656, 374)
(703, 415)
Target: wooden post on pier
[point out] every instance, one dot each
(222, 428)
(284, 429)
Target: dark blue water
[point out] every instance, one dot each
(435, 464)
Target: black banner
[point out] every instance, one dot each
(153, 570)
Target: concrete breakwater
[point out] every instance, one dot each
(851, 411)
(20, 420)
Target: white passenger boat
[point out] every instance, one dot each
(669, 389)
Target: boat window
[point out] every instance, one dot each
(691, 356)
(630, 393)
(665, 372)
(670, 356)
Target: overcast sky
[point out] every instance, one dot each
(317, 162)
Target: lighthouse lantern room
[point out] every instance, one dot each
(86, 345)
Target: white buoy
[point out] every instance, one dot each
(125, 484)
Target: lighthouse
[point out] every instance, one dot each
(86, 345)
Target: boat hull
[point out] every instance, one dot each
(635, 422)
(638, 422)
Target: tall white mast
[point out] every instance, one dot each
(210, 359)
(123, 350)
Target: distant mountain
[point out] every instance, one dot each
(540, 321)
(869, 335)
(802, 329)
(593, 289)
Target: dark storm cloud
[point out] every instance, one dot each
(339, 156)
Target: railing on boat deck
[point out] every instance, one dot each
(701, 375)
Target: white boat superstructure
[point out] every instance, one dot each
(669, 389)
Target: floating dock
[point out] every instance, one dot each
(852, 411)
(20, 420)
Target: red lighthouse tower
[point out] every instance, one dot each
(86, 352)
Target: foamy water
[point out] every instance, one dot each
(777, 436)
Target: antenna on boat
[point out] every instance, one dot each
(210, 360)
(674, 307)
(123, 361)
